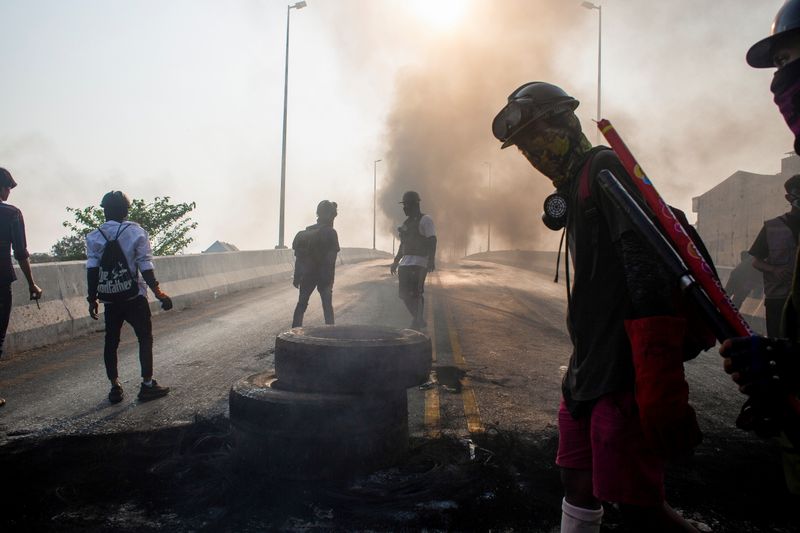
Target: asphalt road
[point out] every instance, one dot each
(500, 347)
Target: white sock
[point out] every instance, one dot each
(579, 520)
(148, 383)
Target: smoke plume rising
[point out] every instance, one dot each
(439, 130)
(690, 122)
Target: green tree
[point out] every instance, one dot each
(167, 224)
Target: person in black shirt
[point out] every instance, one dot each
(612, 442)
(315, 250)
(743, 280)
(12, 235)
(774, 252)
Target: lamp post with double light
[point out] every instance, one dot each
(489, 229)
(298, 5)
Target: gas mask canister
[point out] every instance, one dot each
(554, 215)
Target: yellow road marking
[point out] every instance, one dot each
(432, 408)
(474, 424)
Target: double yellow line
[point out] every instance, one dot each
(432, 405)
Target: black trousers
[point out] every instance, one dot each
(5, 313)
(307, 286)
(773, 310)
(135, 312)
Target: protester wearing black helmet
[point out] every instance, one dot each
(768, 369)
(116, 281)
(416, 256)
(12, 235)
(612, 443)
(315, 250)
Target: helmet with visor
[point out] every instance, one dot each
(532, 102)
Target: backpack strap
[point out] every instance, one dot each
(121, 229)
(119, 232)
(588, 206)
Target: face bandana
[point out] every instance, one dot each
(786, 88)
(554, 151)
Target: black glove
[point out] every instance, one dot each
(93, 308)
(166, 301)
(761, 362)
(767, 370)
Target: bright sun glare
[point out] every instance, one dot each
(442, 14)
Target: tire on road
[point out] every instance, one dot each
(303, 435)
(352, 359)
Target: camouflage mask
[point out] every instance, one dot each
(553, 150)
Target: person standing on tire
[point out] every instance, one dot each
(135, 265)
(315, 250)
(416, 256)
(616, 426)
(774, 252)
(12, 235)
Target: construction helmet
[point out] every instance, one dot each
(411, 197)
(786, 23)
(115, 200)
(533, 101)
(326, 207)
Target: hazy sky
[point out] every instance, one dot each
(184, 98)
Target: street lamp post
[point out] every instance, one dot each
(374, 196)
(489, 232)
(599, 8)
(298, 5)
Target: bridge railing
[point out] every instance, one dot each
(188, 279)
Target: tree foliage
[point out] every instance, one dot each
(167, 224)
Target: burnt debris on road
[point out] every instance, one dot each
(184, 479)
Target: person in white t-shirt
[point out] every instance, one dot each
(134, 309)
(415, 257)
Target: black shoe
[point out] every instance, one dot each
(151, 392)
(2, 402)
(115, 394)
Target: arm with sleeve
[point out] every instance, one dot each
(94, 252)
(20, 245)
(428, 230)
(143, 257)
(328, 262)
(655, 333)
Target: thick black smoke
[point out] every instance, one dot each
(439, 129)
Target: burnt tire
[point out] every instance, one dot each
(352, 359)
(302, 435)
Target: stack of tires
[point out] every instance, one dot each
(336, 405)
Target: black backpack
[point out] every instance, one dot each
(117, 282)
(306, 246)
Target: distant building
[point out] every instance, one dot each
(220, 246)
(730, 215)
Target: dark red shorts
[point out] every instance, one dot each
(610, 443)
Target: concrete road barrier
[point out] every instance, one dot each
(752, 308)
(188, 279)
